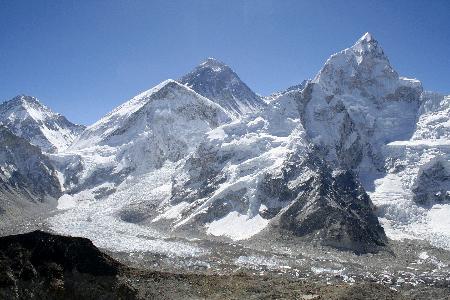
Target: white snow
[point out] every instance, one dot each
(173, 212)
(256, 145)
(237, 226)
(66, 201)
(49, 131)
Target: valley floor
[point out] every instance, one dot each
(277, 267)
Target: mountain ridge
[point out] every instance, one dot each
(27, 117)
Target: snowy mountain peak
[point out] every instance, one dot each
(367, 37)
(368, 45)
(167, 100)
(363, 66)
(357, 103)
(28, 118)
(219, 83)
(23, 99)
(215, 65)
(169, 84)
(25, 102)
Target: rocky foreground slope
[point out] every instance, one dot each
(39, 265)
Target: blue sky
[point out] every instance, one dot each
(83, 58)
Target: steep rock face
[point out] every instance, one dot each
(27, 177)
(432, 184)
(219, 83)
(330, 206)
(26, 117)
(23, 166)
(356, 104)
(39, 265)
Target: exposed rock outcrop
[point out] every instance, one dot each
(328, 206)
(432, 184)
(39, 265)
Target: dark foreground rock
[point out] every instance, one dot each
(39, 265)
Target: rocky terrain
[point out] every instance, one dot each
(39, 265)
(218, 82)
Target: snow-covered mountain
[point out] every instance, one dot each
(357, 104)
(219, 83)
(259, 174)
(363, 116)
(26, 117)
(206, 157)
(162, 124)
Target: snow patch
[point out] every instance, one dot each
(237, 226)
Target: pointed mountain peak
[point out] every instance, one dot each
(367, 37)
(367, 44)
(166, 83)
(218, 82)
(28, 118)
(23, 99)
(214, 64)
(141, 98)
(365, 60)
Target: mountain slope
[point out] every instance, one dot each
(260, 175)
(162, 124)
(25, 116)
(219, 83)
(413, 196)
(28, 181)
(40, 265)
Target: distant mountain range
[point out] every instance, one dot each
(348, 159)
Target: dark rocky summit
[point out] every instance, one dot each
(219, 83)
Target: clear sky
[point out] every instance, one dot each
(83, 58)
